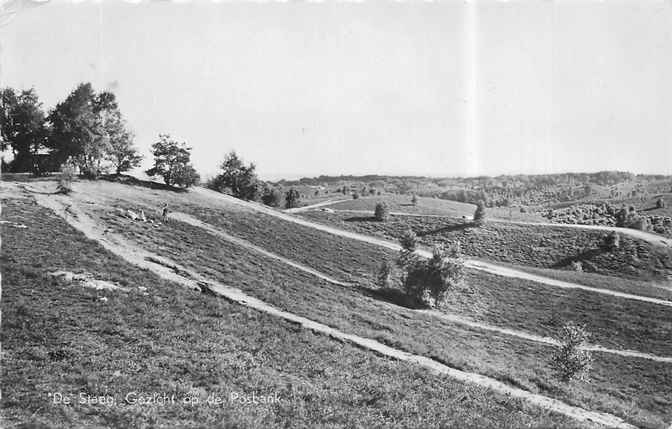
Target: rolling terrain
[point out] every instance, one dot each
(494, 337)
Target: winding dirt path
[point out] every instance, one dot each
(183, 217)
(513, 273)
(543, 340)
(370, 214)
(641, 235)
(453, 318)
(313, 206)
(169, 271)
(649, 237)
(478, 265)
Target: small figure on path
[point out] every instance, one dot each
(164, 212)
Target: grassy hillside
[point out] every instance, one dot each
(60, 337)
(635, 389)
(402, 203)
(531, 245)
(375, 314)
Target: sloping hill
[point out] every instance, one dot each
(402, 203)
(355, 307)
(127, 345)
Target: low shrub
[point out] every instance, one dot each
(571, 361)
(292, 199)
(612, 241)
(409, 241)
(65, 181)
(384, 276)
(428, 281)
(381, 212)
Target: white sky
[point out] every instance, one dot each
(437, 88)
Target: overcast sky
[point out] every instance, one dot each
(438, 88)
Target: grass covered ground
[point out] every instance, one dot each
(403, 204)
(618, 383)
(60, 337)
(661, 289)
(531, 245)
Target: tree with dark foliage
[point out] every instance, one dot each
(172, 161)
(292, 199)
(237, 179)
(22, 129)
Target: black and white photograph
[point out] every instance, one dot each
(336, 214)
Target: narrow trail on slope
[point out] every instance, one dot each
(183, 217)
(313, 206)
(641, 235)
(513, 273)
(478, 265)
(170, 271)
(370, 213)
(544, 340)
(453, 318)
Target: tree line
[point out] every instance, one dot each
(85, 132)
(241, 181)
(86, 129)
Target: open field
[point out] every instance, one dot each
(402, 203)
(540, 246)
(635, 389)
(622, 323)
(60, 337)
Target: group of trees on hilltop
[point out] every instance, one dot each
(22, 127)
(86, 129)
(241, 181)
(237, 179)
(85, 132)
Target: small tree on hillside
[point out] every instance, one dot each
(571, 361)
(292, 198)
(237, 179)
(355, 195)
(382, 212)
(172, 162)
(409, 241)
(479, 213)
(414, 200)
(429, 281)
(612, 241)
(384, 276)
(185, 175)
(271, 197)
(660, 204)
